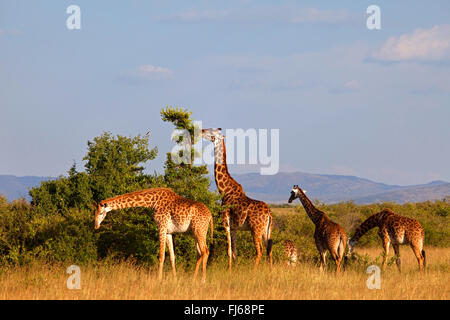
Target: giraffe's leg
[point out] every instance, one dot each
(417, 249)
(202, 253)
(162, 249)
(322, 250)
(226, 224)
(205, 255)
(169, 241)
(339, 252)
(233, 243)
(337, 260)
(257, 240)
(199, 258)
(396, 247)
(386, 243)
(323, 261)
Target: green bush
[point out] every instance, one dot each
(28, 234)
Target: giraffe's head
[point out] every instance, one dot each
(213, 135)
(295, 193)
(101, 209)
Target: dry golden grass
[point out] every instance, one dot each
(127, 281)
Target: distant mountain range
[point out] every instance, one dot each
(336, 188)
(276, 188)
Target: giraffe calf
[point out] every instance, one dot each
(290, 252)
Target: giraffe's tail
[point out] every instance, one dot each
(211, 245)
(424, 258)
(269, 236)
(344, 244)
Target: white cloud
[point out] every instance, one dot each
(352, 85)
(144, 74)
(316, 15)
(15, 32)
(198, 16)
(11, 32)
(150, 70)
(348, 87)
(420, 45)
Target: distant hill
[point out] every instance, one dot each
(410, 194)
(17, 187)
(335, 188)
(276, 188)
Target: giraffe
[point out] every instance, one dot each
(172, 214)
(242, 213)
(393, 229)
(328, 234)
(290, 251)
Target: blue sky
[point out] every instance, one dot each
(347, 100)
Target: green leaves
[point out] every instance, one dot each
(115, 164)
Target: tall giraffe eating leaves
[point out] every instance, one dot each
(242, 213)
(172, 214)
(393, 229)
(328, 234)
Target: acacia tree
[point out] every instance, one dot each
(186, 179)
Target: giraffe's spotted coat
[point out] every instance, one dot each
(243, 213)
(172, 214)
(396, 230)
(328, 235)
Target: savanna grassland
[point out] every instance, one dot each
(128, 279)
(125, 280)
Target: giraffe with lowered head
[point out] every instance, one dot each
(328, 234)
(393, 229)
(243, 213)
(172, 214)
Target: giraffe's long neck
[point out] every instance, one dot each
(314, 214)
(225, 183)
(370, 223)
(149, 198)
